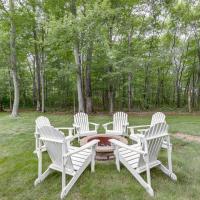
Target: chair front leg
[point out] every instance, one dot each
(63, 173)
(168, 171)
(36, 142)
(146, 159)
(125, 133)
(105, 127)
(96, 127)
(93, 158)
(41, 176)
(169, 156)
(148, 187)
(39, 153)
(117, 162)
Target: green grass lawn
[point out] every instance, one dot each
(18, 164)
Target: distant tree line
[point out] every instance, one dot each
(100, 55)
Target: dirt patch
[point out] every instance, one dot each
(189, 138)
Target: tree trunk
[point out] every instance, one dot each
(42, 76)
(34, 85)
(43, 91)
(189, 97)
(129, 91)
(88, 81)
(178, 94)
(130, 76)
(79, 79)
(110, 97)
(158, 89)
(146, 86)
(10, 91)
(110, 70)
(1, 104)
(38, 71)
(14, 61)
(78, 64)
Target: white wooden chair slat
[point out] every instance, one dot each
(82, 156)
(157, 117)
(85, 152)
(66, 159)
(120, 123)
(77, 158)
(44, 121)
(135, 165)
(129, 153)
(131, 157)
(81, 124)
(134, 160)
(138, 162)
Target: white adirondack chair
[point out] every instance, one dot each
(157, 117)
(120, 123)
(66, 159)
(143, 156)
(44, 121)
(81, 125)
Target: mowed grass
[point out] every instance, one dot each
(18, 164)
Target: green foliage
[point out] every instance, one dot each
(157, 42)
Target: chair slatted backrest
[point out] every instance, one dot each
(40, 122)
(157, 118)
(81, 119)
(119, 119)
(154, 137)
(54, 141)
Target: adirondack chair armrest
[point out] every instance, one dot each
(106, 125)
(36, 134)
(69, 138)
(95, 124)
(86, 146)
(77, 128)
(70, 129)
(132, 128)
(125, 125)
(138, 127)
(64, 128)
(136, 137)
(122, 145)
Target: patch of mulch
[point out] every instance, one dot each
(189, 138)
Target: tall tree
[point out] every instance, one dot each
(13, 59)
(77, 56)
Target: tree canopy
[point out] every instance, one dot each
(100, 55)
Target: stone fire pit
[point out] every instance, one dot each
(104, 150)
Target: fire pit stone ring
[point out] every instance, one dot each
(104, 149)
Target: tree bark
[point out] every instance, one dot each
(189, 97)
(38, 70)
(42, 76)
(34, 85)
(88, 81)
(146, 86)
(1, 104)
(129, 91)
(78, 64)
(110, 70)
(13, 59)
(79, 79)
(110, 97)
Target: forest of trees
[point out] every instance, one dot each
(99, 55)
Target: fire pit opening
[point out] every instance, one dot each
(104, 141)
(104, 149)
